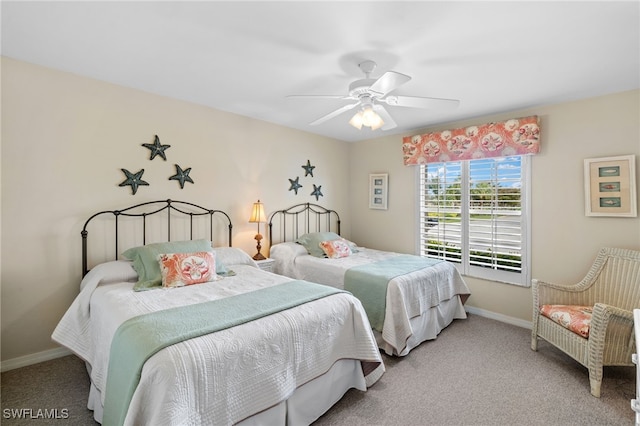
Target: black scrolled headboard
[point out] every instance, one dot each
(174, 210)
(301, 219)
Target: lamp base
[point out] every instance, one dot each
(258, 256)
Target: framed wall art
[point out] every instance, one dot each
(378, 191)
(610, 186)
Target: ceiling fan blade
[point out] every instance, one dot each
(388, 121)
(389, 81)
(421, 102)
(333, 114)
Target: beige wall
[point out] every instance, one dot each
(564, 240)
(64, 140)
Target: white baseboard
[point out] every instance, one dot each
(23, 361)
(499, 317)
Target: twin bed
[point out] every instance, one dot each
(157, 356)
(408, 299)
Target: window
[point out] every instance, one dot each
(476, 214)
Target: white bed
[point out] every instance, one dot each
(419, 305)
(285, 368)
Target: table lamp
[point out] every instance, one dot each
(257, 216)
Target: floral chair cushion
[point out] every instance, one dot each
(572, 317)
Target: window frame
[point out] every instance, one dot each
(522, 278)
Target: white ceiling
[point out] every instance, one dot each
(246, 57)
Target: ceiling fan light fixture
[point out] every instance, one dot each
(370, 118)
(356, 120)
(366, 117)
(377, 125)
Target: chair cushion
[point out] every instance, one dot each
(572, 317)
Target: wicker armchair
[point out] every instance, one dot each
(612, 287)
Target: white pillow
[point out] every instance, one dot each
(287, 251)
(116, 271)
(233, 256)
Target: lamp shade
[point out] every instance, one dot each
(257, 213)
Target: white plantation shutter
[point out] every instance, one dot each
(475, 213)
(441, 210)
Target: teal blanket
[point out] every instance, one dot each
(140, 337)
(369, 282)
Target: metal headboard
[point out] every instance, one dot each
(144, 210)
(304, 218)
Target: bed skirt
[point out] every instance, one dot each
(305, 406)
(427, 326)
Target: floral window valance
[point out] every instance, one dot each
(518, 136)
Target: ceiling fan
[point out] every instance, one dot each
(371, 93)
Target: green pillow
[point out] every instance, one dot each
(312, 242)
(145, 259)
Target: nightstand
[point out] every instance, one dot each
(266, 264)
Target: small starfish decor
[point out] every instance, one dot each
(295, 185)
(182, 176)
(157, 148)
(133, 179)
(316, 191)
(308, 169)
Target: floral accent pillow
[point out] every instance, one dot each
(335, 249)
(572, 317)
(353, 246)
(182, 269)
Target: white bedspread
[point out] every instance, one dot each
(223, 377)
(408, 296)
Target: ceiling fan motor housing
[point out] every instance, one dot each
(360, 87)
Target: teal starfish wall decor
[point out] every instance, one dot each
(133, 179)
(295, 185)
(308, 169)
(316, 191)
(182, 176)
(157, 148)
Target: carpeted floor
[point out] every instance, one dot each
(483, 372)
(477, 372)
